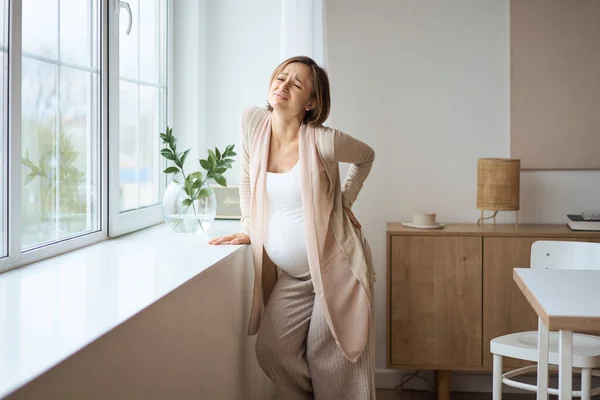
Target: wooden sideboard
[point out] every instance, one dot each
(450, 291)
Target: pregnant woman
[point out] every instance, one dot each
(312, 306)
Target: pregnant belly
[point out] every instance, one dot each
(285, 243)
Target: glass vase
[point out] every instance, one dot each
(196, 217)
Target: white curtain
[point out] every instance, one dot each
(302, 30)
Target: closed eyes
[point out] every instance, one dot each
(295, 84)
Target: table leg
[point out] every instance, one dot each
(542, 373)
(442, 384)
(565, 367)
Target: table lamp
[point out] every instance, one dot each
(498, 182)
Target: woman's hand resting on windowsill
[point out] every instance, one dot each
(242, 238)
(236, 238)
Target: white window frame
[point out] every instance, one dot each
(17, 257)
(110, 220)
(129, 221)
(4, 156)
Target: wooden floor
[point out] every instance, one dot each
(390, 394)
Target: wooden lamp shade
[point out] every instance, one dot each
(498, 184)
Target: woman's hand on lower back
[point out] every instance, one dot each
(236, 238)
(352, 218)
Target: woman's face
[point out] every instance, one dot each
(291, 90)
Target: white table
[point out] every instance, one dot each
(566, 301)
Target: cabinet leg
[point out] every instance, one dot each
(442, 384)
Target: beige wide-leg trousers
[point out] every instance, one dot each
(298, 353)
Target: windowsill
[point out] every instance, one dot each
(51, 309)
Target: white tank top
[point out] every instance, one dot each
(284, 237)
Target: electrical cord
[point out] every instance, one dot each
(480, 220)
(401, 387)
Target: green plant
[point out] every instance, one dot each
(69, 179)
(215, 165)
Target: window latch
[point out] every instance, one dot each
(125, 5)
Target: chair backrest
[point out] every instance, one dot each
(549, 254)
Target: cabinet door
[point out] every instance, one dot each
(505, 309)
(435, 297)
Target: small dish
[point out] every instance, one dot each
(419, 226)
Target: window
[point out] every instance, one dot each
(142, 110)
(3, 127)
(60, 125)
(57, 101)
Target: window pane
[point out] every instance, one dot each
(38, 143)
(142, 104)
(149, 145)
(149, 41)
(79, 107)
(76, 32)
(60, 131)
(128, 145)
(129, 44)
(40, 28)
(3, 23)
(3, 128)
(3, 159)
(163, 42)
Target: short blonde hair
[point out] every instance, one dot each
(320, 90)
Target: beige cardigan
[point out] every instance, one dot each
(339, 256)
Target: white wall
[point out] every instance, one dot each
(243, 41)
(188, 72)
(426, 84)
(223, 54)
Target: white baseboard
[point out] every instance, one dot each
(462, 381)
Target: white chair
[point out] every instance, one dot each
(523, 345)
